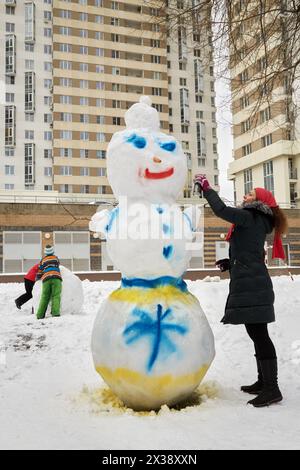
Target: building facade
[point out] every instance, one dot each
(72, 69)
(266, 144)
(26, 80)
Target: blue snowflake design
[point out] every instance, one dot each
(157, 330)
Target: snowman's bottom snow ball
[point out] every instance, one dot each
(152, 343)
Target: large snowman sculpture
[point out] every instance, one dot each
(151, 341)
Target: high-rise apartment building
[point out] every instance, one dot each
(71, 69)
(26, 81)
(266, 148)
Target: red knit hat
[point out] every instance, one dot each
(266, 197)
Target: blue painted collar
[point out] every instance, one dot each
(177, 282)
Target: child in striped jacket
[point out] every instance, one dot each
(49, 273)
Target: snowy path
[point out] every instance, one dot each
(49, 392)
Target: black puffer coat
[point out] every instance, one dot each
(251, 295)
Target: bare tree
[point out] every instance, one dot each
(258, 41)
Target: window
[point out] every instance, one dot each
(99, 19)
(47, 153)
(246, 125)
(84, 171)
(9, 186)
(244, 102)
(83, 50)
(215, 164)
(265, 115)
(100, 119)
(29, 117)
(9, 80)
(65, 31)
(9, 97)
(65, 82)
(84, 153)
(99, 68)
(9, 152)
(29, 64)
(215, 148)
(201, 138)
(66, 152)
(84, 118)
(216, 180)
(47, 83)
(155, 59)
(47, 15)
(47, 135)
(100, 137)
(47, 171)
(47, 66)
(83, 67)
(115, 54)
(47, 187)
(247, 149)
(116, 103)
(30, 22)
(248, 182)
(65, 99)
(101, 154)
(10, 10)
(63, 47)
(29, 134)
(184, 106)
(266, 140)
(48, 118)
(83, 33)
(269, 176)
(47, 32)
(47, 49)
(65, 171)
(244, 76)
(182, 81)
(29, 47)
(29, 164)
(116, 121)
(101, 171)
(84, 135)
(84, 101)
(9, 170)
(156, 91)
(115, 71)
(10, 27)
(116, 87)
(10, 125)
(66, 117)
(66, 135)
(65, 188)
(83, 83)
(66, 14)
(201, 161)
(100, 102)
(100, 85)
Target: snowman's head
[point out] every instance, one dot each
(143, 162)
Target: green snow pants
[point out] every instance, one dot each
(51, 291)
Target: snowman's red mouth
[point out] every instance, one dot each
(158, 175)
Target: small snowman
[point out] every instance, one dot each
(151, 341)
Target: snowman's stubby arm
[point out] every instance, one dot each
(192, 216)
(102, 221)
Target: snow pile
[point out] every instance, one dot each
(71, 297)
(52, 398)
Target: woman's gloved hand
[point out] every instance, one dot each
(203, 182)
(223, 264)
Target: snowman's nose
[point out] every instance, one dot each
(156, 160)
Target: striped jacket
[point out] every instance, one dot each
(49, 269)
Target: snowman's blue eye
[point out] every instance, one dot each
(137, 141)
(168, 146)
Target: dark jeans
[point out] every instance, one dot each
(264, 348)
(25, 297)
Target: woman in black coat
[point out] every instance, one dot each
(251, 295)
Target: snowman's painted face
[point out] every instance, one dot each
(145, 164)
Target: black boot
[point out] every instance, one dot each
(17, 304)
(257, 387)
(270, 393)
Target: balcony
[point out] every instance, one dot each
(293, 174)
(10, 3)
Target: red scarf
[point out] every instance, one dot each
(266, 197)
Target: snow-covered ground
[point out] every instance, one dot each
(51, 397)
